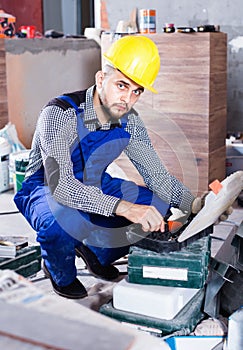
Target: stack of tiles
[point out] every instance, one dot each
(26, 263)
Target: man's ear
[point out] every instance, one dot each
(99, 77)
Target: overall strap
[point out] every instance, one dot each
(70, 101)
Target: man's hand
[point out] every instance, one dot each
(146, 215)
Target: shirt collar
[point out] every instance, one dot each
(90, 118)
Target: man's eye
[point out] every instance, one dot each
(121, 86)
(137, 92)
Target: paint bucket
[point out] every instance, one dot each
(18, 163)
(5, 150)
(147, 21)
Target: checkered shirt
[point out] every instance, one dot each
(56, 132)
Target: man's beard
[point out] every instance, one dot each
(115, 115)
(108, 109)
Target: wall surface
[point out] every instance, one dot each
(40, 69)
(27, 12)
(228, 14)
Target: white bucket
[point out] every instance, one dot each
(5, 150)
(18, 162)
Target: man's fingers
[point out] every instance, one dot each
(162, 226)
(196, 205)
(152, 220)
(152, 224)
(223, 217)
(229, 211)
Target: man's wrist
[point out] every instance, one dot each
(116, 205)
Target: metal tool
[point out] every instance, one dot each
(227, 261)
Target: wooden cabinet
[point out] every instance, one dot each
(187, 118)
(3, 87)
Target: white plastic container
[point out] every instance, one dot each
(5, 150)
(235, 331)
(151, 300)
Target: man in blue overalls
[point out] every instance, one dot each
(68, 197)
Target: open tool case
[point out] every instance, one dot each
(163, 242)
(196, 227)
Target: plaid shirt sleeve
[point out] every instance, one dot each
(56, 132)
(156, 177)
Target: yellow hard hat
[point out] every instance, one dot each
(137, 57)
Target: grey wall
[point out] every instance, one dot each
(228, 14)
(40, 69)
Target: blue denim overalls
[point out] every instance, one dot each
(60, 228)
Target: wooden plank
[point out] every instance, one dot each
(3, 86)
(182, 93)
(56, 332)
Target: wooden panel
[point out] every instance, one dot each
(3, 87)
(217, 168)
(217, 128)
(183, 53)
(218, 52)
(187, 118)
(182, 93)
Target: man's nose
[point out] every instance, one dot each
(126, 96)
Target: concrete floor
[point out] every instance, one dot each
(13, 223)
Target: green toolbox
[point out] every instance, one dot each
(186, 268)
(27, 261)
(185, 320)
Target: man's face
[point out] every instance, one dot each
(118, 93)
